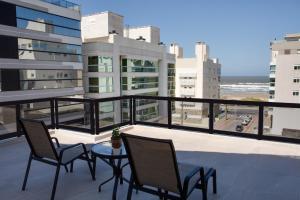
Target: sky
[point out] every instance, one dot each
(238, 32)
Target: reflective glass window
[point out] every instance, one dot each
(39, 16)
(47, 28)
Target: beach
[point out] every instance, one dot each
(253, 88)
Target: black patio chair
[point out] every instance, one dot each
(44, 150)
(154, 170)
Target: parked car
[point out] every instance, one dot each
(239, 128)
(245, 122)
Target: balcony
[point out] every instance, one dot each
(260, 162)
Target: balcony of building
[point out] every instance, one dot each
(259, 162)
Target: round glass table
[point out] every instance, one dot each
(112, 157)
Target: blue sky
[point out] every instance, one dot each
(238, 31)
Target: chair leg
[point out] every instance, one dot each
(89, 164)
(66, 168)
(130, 189)
(72, 166)
(27, 172)
(215, 182)
(55, 181)
(204, 191)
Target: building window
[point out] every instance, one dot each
(287, 51)
(296, 80)
(46, 22)
(93, 85)
(135, 83)
(296, 67)
(105, 85)
(298, 51)
(295, 93)
(48, 51)
(100, 64)
(134, 65)
(272, 67)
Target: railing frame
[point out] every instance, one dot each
(94, 127)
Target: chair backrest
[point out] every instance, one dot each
(153, 162)
(39, 139)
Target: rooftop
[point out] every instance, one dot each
(246, 168)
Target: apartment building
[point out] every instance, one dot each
(122, 60)
(285, 84)
(197, 77)
(40, 52)
(40, 55)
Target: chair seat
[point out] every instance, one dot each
(71, 153)
(185, 169)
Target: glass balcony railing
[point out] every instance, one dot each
(64, 4)
(257, 120)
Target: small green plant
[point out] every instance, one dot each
(116, 133)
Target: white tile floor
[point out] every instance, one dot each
(247, 168)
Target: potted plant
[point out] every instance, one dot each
(116, 138)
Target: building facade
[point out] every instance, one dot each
(121, 61)
(40, 56)
(285, 84)
(197, 77)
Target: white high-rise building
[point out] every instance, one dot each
(121, 61)
(197, 77)
(285, 84)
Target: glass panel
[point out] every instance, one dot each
(190, 114)
(7, 119)
(100, 64)
(113, 112)
(148, 110)
(105, 84)
(133, 65)
(93, 81)
(106, 113)
(39, 111)
(236, 118)
(276, 122)
(135, 83)
(74, 114)
(93, 60)
(38, 16)
(55, 84)
(37, 45)
(48, 56)
(63, 3)
(47, 28)
(32, 74)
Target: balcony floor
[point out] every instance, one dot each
(246, 168)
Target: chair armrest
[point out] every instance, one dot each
(70, 147)
(187, 179)
(56, 141)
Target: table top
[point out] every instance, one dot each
(105, 150)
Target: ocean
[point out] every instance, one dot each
(242, 84)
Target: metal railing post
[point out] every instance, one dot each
(56, 113)
(169, 114)
(52, 113)
(130, 110)
(96, 116)
(211, 117)
(92, 118)
(18, 117)
(260, 121)
(133, 110)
